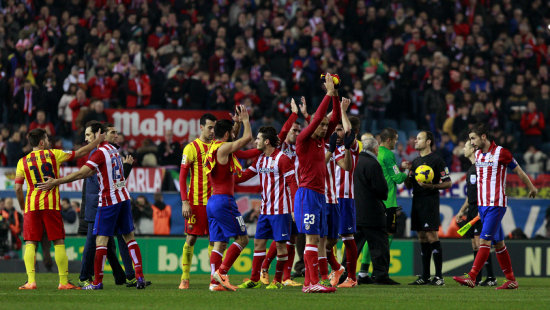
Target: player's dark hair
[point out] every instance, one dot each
(269, 133)
(355, 124)
(388, 133)
(222, 126)
(96, 126)
(108, 125)
(35, 136)
(480, 129)
(207, 117)
(430, 136)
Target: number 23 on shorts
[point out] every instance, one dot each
(309, 219)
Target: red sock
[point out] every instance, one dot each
(135, 254)
(307, 282)
(215, 262)
(334, 264)
(281, 261)
(99, 262)
(230, 257)
(259, 257)
(271, 253)
(288, 266)
(311, 252)
(351, 256)
(323, 267)
(505, 263)
(481, 258)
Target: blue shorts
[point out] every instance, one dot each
(117, 217)
(224, 219)
(275, 227)
(347, 216)
(490, 219)
(294, 229)
(333, 220)
(309, 212)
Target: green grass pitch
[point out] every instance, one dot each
(534, 293)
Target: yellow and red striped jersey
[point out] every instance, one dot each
(33, 168)
(200, 188)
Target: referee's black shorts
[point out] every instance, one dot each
(391, 220)
(476, 229)
(425, 213)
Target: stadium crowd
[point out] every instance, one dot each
(432, 64)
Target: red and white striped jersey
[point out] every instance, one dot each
(491, 175)
(344, 179)
(330, 177)
(112, 185)
(290, 151)
(272, 171)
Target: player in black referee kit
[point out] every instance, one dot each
(425, 207)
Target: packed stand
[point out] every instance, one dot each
(438, 65)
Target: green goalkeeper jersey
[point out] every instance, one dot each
(392, 174)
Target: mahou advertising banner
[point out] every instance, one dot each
(141, 124)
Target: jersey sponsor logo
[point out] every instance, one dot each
(473, 179)
(119, 184)
(267, 170)
(395, 169)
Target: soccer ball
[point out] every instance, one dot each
(424, 174)
(335, 79)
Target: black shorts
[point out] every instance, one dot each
(391, 220)
(476, 229)
(425, 213)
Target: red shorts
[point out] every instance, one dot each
(34, 223)
(198, 223)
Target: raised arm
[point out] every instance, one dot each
(335, 117)
(345, 120)
(288, 124)
(230, 147)
(88, 148)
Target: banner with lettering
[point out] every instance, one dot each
(137, 125)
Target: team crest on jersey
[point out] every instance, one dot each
(183, 159)
(307, 226)
(473, 179)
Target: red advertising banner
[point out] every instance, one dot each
(141, 124)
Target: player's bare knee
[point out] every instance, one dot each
(499, 245)
(312, 239)
(103, 240)
(281, 248)
(260, 244)
(59, 242)
(191, 239)
(331, 243)
(242, 240)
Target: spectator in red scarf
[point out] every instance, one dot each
(139, 89)
(101, 86)
(78, 103)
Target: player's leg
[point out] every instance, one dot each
(218, 240)
(426, 255)
(33, 229)
(87, 268)
(187, 259)
(125, 225)
(281, 226)
(268, 258)
(53, 222)
(347, 226)
(126, 261)
(437, 254)
(263, 232)
(196, 225)
(118, 272)
(333, 228)
(475, 249)
(99, 262)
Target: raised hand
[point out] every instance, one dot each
(349, 139)
(303, 106)
(293, 106)
(243, 113)
(129, 159)
(345, 104)
(332, 142)
(329, 84)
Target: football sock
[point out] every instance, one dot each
(281, 261)
(390, 240)
(215, 262)
(271, 254)
(230, 257)
(186, 260)
(334, 264)
(99, 263)
(489, 267)
(62, 262)
(311, 252)
(478, 278)
(307, 282)
(426, 252)
(505, 263)
(29, 258)
(481, 257)
(351, 256)
(323, 267)
(135, 254)
(291, 250)
(210, 248)
(437, 253)
(259, 257)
